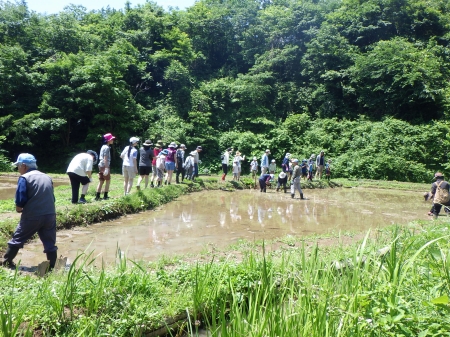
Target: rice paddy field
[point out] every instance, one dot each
(390, 281)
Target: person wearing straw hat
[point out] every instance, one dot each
(104, 166)
(156, 151)
(35, 202)
(145, 163)
(129, 166)
(282, 181)
(237, 165)
(295, 182)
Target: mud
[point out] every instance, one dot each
(216, 219)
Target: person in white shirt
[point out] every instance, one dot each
(226, 162)
(129, 166)
(80, 173)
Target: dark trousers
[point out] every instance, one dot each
(262, 185)
(75, 182)
(44, 225)
(279, 184)
(180, 171)
(225, 168)
(436, 209)
(195, 171)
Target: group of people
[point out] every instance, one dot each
(291, 169)
(153, 164)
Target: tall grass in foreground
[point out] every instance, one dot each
(297, 291)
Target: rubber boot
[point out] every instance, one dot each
(97, 196)
(52, 256)
(105, 196)
(292, 196)
(9, 256)
(301, 196)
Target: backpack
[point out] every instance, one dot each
(441, 196)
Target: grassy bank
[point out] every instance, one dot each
(296, 290)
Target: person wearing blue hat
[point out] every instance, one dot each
(80, 173)
(161, 166)
(36, 203)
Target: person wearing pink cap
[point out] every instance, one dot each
(104, 162)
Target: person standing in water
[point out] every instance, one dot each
(104, 165)
(129, 166)
(35, 202)
(296, 174)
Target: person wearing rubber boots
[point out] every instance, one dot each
(36, 203)
(295, 182)
(264, 181)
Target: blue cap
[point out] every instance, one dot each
(25, 158)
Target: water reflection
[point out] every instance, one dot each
(218, 218)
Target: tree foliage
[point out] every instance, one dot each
(292, 75)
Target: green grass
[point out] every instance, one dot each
(297, 291)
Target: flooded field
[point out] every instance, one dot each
(8, 185)
(217, 218)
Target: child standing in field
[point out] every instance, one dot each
(189, 165)
(328, 170)
(272, 167)
(304, 168)
(104, 172)
(310, 168)
(237, 165)
(254, 167)
(160, 166)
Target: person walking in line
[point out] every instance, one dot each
(170, 162)
(264, 181)
(296, 174)
(145, 163)
(282, 181)
(129, 166)
(320, 164)
(189, 165)
(226, 162)
(80, 173)
(265, 162)
(161, 166)
(35, 201)
(179, 163)
(104, 166)
(197, 161)
(156, 151)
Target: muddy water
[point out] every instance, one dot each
(197, 221)
(8, 186)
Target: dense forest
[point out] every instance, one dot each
(367, 81)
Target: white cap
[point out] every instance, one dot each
(134, 140)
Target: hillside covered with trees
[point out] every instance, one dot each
(366, 81)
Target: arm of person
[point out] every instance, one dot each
(89, 174)
(135, 165)
(21, 194)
